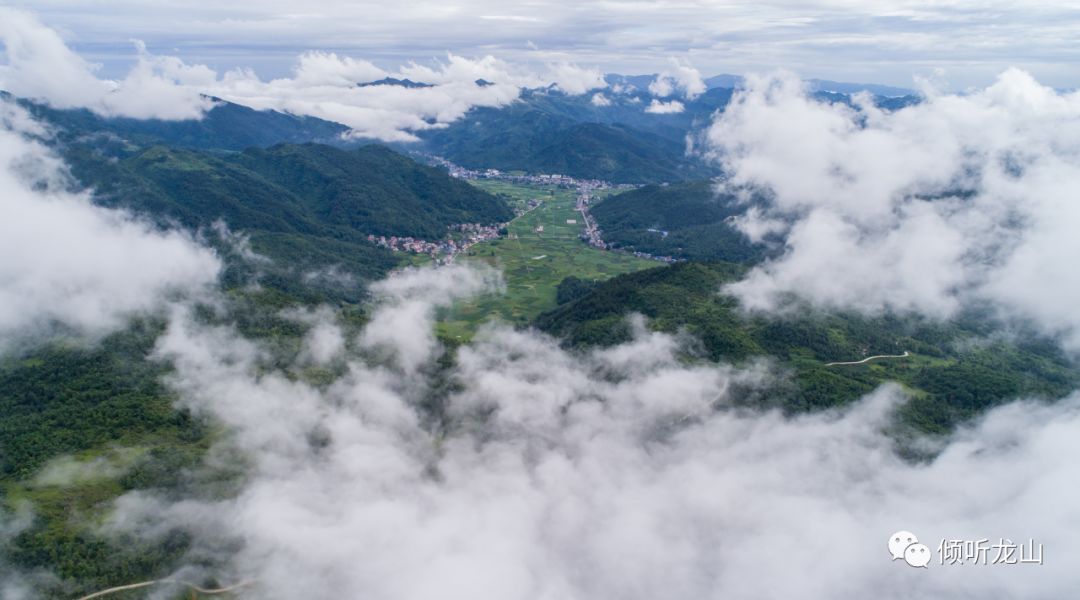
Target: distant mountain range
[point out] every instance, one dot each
(726, 80)
(607, 134)
(407, 83)
(227, 126)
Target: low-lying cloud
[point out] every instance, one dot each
(69, 262)
(38, 64)
(681, 78)
(960, 199)
(526, 471)
(659, 107)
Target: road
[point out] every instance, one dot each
(870, 358)
(191, 586)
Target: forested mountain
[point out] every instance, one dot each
(607, 134)
(374, 189)
(227, 126)
(683, 220)
(952, 380)
(549, 132)
(308, 207)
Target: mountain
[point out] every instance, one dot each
(616, 139)
(406, 83)
(631, 82)
(724, 81)
(820, 85)
(952, 378)
(546, 131)
(684, 220)
(308, 207)
(374, 189)
(615, 153)
(839, 87)
(227, 126)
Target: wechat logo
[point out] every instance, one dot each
(904, 544)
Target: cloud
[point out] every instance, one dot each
(39, 65)
(324, 85)
(575, 80)
(402, 325)
(956, 201)
(328, 69)
(73, 263)
(624, 472)
(600, 100)
(657, 107)
(681, 78)
(829, 39)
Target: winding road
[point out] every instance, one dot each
(869, 358)
(192, 586)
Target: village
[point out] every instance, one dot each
(463, 236)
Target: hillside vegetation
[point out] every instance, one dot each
(956, 369)
(226, 126)
(683, 220)
(307, 207)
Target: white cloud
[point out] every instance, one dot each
(401, 328)
(39, 65)
(328, 69)
(70, 262)
(324, 86)
(657, 107)
(956, 200)
(600, 100)
(613, 473)
(680, 78)
(575, 80)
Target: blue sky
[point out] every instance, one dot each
(961, 43)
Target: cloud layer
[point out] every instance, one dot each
(38, 64)
(841, 40)
(957, 201)
(69, 262)
(618, 473)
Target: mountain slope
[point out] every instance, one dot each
(227, 126)
(684, 220)
(552, 132)
(374, 189)
(307, 207)
(953, 377)
(615, 153)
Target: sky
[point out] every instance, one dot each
(964, 43)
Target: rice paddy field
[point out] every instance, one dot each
(543, 246)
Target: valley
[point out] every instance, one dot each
(487, 329)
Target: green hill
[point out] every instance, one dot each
(374, 189)
(307, 207)
(554, 133)
(683, 220)
(951, 380)
(227, 126)
(615, 153)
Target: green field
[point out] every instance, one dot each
(534, 262)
